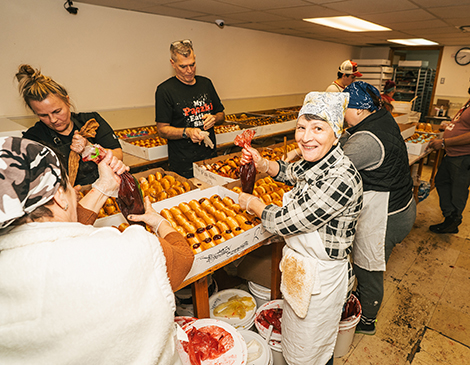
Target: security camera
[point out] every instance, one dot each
(68, 5)
(220, 23)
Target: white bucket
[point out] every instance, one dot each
(266, 356)
(260, 293)
(347, 326)
(222, 296)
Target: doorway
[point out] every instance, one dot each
(432, 55)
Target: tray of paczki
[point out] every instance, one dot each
(212, 342)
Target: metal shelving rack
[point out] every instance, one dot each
(414, 82)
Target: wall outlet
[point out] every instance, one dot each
(443, 80)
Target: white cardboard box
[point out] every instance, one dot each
(418, 63)
(407, 132)
(416, 148)
(372, 62)
(225, 250)
(152, 153)
(276, 128)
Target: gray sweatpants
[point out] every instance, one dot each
(370, 284)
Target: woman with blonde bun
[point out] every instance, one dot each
(58, 126)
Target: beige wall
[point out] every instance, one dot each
(457, 80)
(111, 60)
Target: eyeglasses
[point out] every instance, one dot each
(184, 41)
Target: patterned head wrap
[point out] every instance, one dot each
(29, 177)
(359, 96)
(328, 106)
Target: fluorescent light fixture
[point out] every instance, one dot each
(348, 23)
(413, 42)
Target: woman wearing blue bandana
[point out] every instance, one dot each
(374, 144)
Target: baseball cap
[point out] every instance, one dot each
(350, 68)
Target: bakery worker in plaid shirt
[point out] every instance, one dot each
(318, 222)
(374, 144)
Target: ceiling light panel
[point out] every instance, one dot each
(413, 42)
(348, 23)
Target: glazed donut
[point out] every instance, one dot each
(218, 205)
(210, 209)
(165, 213)
(173, 223)
(190, 228)
(229, 212)
(218, 239)
(220, 216)
(191, 215)
(161, 196)
(199, 223)
(172, 192)
(203, 202)
(181, 230)
(208, 218)
(207, 243)
(151, 178)
(165, 183)
(222, 226)
(244, 222)
(202, 234)
(186, 186)
(228, 201)
(181, 219)
(214, 198)
(158, 175)
(123, 226)
(171, 179)
(184, 207)
(234, 226)
(193, 242)
(236, 208)
(213, 230)
(194, 204)
(228, 234)
(176, 211)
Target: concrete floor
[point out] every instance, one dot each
(425, 315)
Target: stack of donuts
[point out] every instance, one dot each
(268, 190)
(159, 187)
(209, 221)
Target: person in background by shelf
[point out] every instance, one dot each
(453, 176)
(58, 126)
(318, 222)
(374, 144)
(186, 107)
(71, 293)
(387, 96)
(346, 76)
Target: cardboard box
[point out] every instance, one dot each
(372, 62)
(205, 260)
(256, 266)
(164, 172)
(407, 130)
(153, 153)
(209, 177)
(417, 63)
(416, 148)
(401, 118)
(403, 107)
(276, 128)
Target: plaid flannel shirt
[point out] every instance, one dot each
(327, 197)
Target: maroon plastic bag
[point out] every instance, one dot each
(247, 171)
(130, 199)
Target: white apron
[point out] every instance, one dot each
(369, 242)
(314, 288)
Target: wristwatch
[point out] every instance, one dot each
(185, 136)
(443, 143)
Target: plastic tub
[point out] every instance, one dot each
(347, 326)
(266, 356)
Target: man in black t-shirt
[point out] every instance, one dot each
(185, 106)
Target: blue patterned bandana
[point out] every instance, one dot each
(328, 106)
(359, 97)
(29, 177)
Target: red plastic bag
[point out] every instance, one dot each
(247, 171)
(130, 199)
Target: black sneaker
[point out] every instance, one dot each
(366, 329)
(450, 225)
